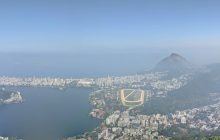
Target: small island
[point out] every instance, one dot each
(10, 97)
(7, 138)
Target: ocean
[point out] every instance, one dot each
(75, 65)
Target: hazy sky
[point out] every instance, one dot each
(109, 25)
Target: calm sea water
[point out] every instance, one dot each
(75, 65)
(47, 114)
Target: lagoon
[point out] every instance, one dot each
(47, 114)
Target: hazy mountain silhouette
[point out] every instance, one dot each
(174, 63)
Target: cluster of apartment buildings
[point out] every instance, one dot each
(205, 118)
(130, 80)
(133, 81)
(162, 87)
(123, 126)
(33, 81)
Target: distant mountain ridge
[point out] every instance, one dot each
(174, 63)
